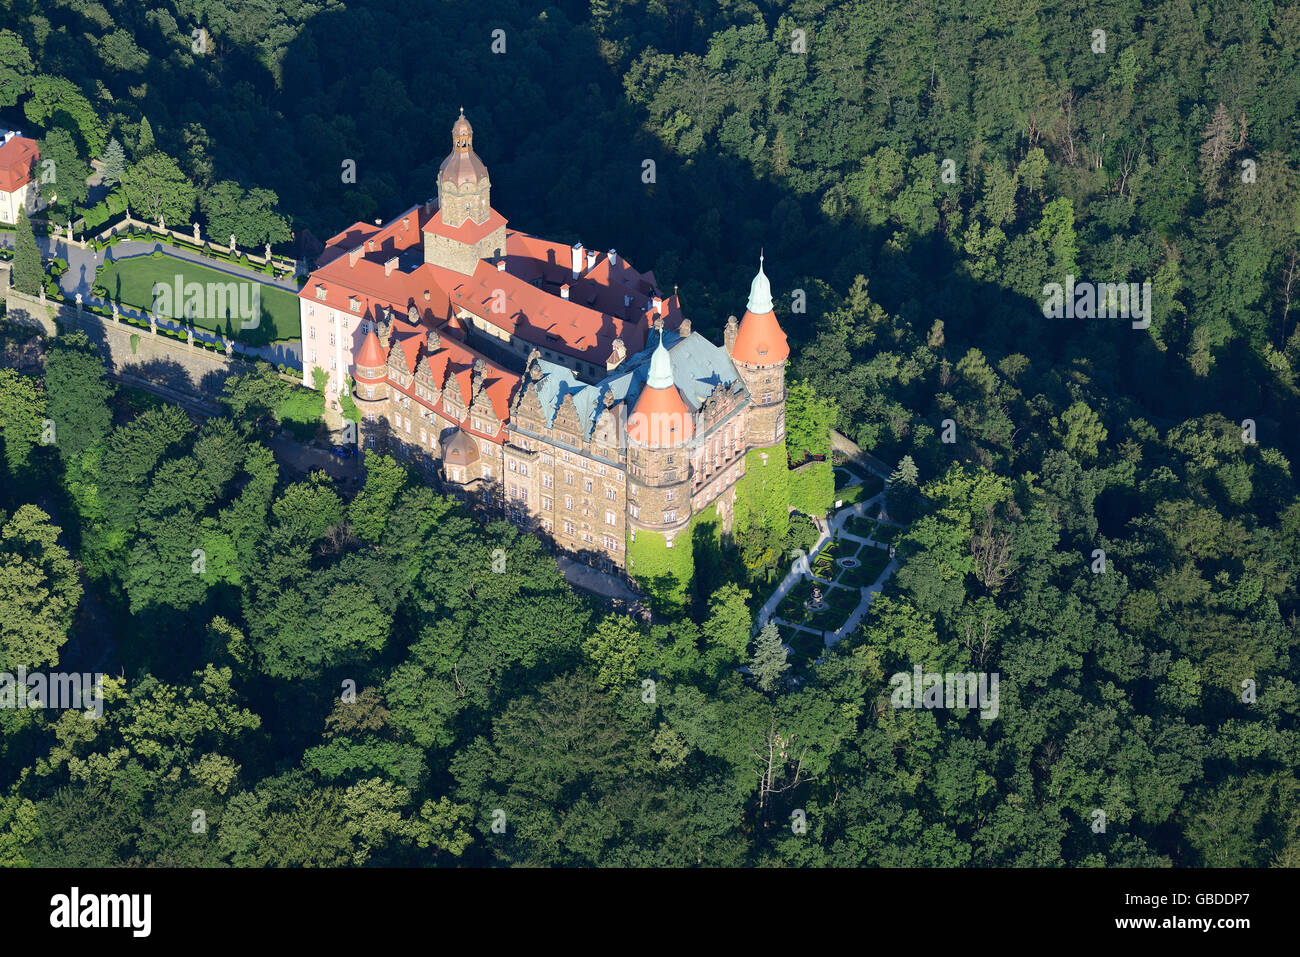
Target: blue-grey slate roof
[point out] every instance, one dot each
(698, 366)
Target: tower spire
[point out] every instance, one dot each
(760, 291)
(660, 375)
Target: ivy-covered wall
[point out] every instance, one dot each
(812, 488)
(664, 573)
(764, 490)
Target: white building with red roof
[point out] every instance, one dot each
(18, 188)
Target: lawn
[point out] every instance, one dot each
(130, 282)
(860, 525)
(888, 533)
(851, 495)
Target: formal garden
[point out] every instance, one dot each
(130, 282)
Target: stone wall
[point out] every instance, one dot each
(133, 354)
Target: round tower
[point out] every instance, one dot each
(759, 350)
(371, 394)
(658, 432)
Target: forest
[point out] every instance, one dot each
(1105, 516)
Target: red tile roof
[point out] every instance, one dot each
(454, 360)
(467, 232)
(371, 354)
(661, 419)
(760, 341)
(17, 160)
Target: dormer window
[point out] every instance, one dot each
(354, 304)
(320, 291)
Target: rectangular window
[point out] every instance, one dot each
(512, 465)
(670, 516)
(633, 511)
(586, 486)
(311, 332)
(611, 494)
(670, 496)
(547, 503)
(609, 519)
(568, 478)
(548, 480)
(311, 355)
(523, 468)
(568, 502)
(568, 528)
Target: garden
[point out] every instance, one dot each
(130, 282)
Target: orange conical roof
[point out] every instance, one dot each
(760, 341)
(661, 418)
(371, 355)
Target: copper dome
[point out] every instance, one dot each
(459, 448)
(462, 167)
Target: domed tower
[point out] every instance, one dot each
(464, 189)
(658, 431)
(371, 394)
(460, 457)
(758, 349)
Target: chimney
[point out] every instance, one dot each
(564, 291)
(501, 264)
(353, 256)
(591, 259)
(658, 305)
(390, 266)
(577, 260)
(684, 329)
(370, 245)
(613, 257)
(406, 222)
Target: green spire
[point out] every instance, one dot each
(661, 367)
(760, 291)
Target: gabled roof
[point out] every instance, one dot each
(453, 360)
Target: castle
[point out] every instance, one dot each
(557, 382)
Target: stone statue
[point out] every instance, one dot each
(189, 335)
(153, 324)
(232, 242)
(78, 302)
(230, 348)
(196, 232)
(162, 223)
(116, 316)
(267, 256)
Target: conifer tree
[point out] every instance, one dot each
(114, 163)
(769, 663)
(28, 271)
